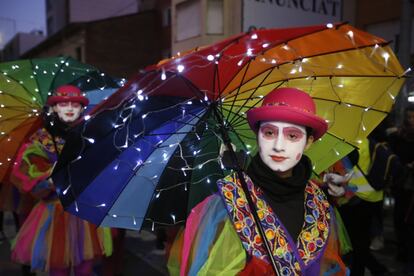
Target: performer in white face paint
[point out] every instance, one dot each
(298, 221)
(281, 145)
(52, 240)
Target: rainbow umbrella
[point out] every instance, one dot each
(24, 88)
(151, 151)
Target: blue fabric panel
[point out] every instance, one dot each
(134, 199)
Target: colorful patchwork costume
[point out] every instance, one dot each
(51, 237)
(220, 236)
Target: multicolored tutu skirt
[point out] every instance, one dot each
(53, 238)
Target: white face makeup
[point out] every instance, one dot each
(281, 144)
(68, 111)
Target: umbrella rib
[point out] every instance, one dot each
(59, 68)
(319, 76)
(240, 122)
(161, 223)
(191, 86)
(338, 101)
(386, 90)
(354, 105)
(285, 41)
(20, 99)
(331, 52)
(250, 97)
(36, 80)
(300, 36)
(316, 55)
(238, 90)
(187, 182)
(339, 138)
(14, 118)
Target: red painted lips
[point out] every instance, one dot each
(278, 158)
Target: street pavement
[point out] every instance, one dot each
(143, 258)
(387, 255)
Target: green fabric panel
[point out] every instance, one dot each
(203, 181)
(34, 149)
(107, 241)
(326, 151)
(344, 240)
(227, 256)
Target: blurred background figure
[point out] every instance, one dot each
(51, 239)
(402, 143)
(373, 166)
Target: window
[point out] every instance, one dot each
(188, 21)
(166, 17)
(215, 17)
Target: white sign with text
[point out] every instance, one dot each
(289, 13)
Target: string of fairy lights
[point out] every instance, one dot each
(25, 86)
(175, 68)
(232, 107)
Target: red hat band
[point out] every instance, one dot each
(67, 93)
(288, 105)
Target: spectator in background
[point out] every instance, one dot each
(402, 143)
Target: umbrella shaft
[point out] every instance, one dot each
(252, 206)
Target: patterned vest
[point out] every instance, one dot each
(291, 257)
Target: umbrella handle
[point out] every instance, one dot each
(252, 206)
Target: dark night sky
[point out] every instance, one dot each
(21, 16)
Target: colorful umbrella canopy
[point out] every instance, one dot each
(163, 131)
(24, 88)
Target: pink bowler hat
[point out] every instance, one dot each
(67, 93)
(288, 105)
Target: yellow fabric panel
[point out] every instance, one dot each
(360, 180)
(174, 259)
(227, 256)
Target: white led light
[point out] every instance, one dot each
(180, 68)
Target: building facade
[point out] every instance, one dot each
(119, 46)
(200, 22)
(20, 44)
(60, 13)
